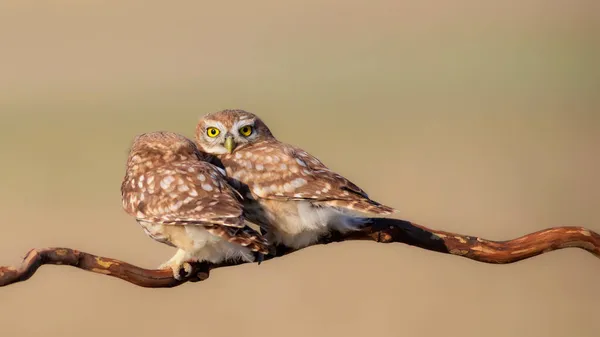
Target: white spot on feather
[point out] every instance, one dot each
(258, 190)
(288, 187)
(165, 183)
(298, 182)
(174, 207)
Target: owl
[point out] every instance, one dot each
(181, 199)
(289, 193)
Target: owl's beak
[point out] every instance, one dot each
(229, 144)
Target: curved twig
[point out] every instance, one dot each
(382, 230)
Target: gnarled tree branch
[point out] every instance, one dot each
(379, 229)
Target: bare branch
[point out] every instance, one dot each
(382, 230)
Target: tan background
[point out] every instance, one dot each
(479, 119)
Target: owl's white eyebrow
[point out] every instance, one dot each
(245, 117)
(215, 124)
(242, 122)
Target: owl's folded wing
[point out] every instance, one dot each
(294, 174)
(191, 192)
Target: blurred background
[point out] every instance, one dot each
(478, 117)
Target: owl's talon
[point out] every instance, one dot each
(259, 257)
(176, 268)
(273, 250)
(187, 268)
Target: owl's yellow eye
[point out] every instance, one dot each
(212, 132)
(246, 130)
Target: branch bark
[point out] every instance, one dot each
(382, 230)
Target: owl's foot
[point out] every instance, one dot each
(178, 263)
(258, 257)
(177, 269)
(332, 236)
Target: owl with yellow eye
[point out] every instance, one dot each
(289, 193)
(240, 135)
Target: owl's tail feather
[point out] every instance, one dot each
(364, 206)
(245, 236)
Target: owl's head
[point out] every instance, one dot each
(226, 131)
(163, 146)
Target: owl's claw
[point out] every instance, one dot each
(332, 236)
(177, 263)
(259, 257)
(177, 269)
(186, 267)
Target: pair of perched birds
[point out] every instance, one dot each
(198, 197)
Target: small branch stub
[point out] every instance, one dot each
(382, 230)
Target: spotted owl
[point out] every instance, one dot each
(288, 192)
(181, 199)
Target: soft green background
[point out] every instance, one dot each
(477, 117)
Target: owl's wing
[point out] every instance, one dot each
(191, 192)
(293, 174)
